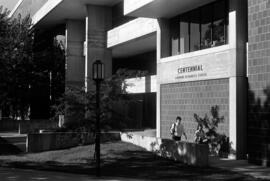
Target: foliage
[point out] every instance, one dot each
(217, 142)
(16, 60)
(49, 65)
(79, 106)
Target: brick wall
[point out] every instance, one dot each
(185, 99)
(259, 81)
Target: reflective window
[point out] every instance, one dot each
(184, 34)
(206, 26)
(219, 24)
(175, 36)
(201, 28)
(195, 30)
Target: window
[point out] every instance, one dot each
(174, 36)
(219, 24)
(195, 30)
(202, 28)
(184, 34)
(206, 25)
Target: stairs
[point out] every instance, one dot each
(12, 144)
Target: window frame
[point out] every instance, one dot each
(178, 18)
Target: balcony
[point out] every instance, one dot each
(135, 37)
(130, 31)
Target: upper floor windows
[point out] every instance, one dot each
(201, 28)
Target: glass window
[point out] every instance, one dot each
(184, 34)
(219, 24)
(206, 27)
(195, 30)
(201, 28)
(175, 36)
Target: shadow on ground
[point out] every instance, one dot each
(144, 165)
(138, 165)
(6, 148)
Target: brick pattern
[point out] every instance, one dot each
(259, 81)
(185, 99)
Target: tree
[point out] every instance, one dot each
(79, 106)
(16, 64)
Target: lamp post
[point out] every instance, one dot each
(98, 76)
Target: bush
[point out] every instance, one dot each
(218, 143)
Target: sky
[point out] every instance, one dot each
(8, 3)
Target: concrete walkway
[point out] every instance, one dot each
(8, 174)
(239, 166)
(242, 167)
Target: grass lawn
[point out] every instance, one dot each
(118, 160)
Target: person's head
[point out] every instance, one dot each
(200, 127)
(178, 119)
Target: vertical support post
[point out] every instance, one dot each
(97, 146)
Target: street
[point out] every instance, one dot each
(10, 174)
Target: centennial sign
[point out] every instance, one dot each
(196, 70)
(214, 65)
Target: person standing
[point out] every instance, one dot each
(200, 136)
(177, 129)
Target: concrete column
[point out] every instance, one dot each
(75, 32)
(98, 22)
(163, 50)
(163, 38)
(238, 82)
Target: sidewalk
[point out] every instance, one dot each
(238, 166)
(242, 167)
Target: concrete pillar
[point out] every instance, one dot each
(163, 38)
(238, 82)
(75, 32)
(163, 50)
(97, 23)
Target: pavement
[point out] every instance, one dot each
(242, 167)
(12, 174)
(138, 165)
(238, 166)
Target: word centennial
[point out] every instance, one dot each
(194, 68)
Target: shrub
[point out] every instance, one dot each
(218, 143)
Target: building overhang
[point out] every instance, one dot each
(160, 8)
(56, 12)
(136, 46)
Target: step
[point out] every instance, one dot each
(21, 146)
(14, 144)
(15, 139)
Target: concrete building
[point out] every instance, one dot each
(198, 54)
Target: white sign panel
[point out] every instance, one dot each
(208, 66)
